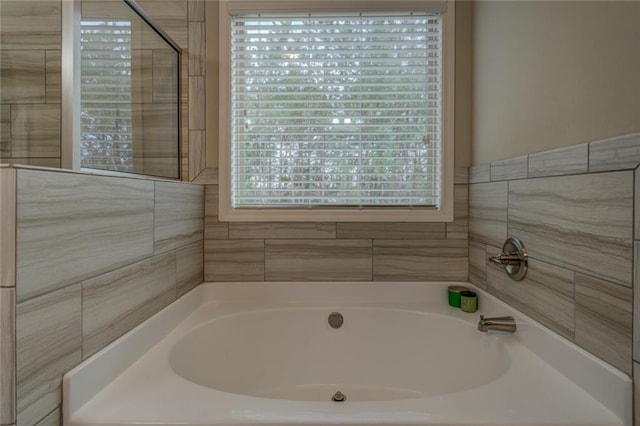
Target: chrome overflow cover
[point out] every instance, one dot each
(336, 320)
(514, 259)
(339, 397)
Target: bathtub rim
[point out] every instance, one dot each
(610, 386)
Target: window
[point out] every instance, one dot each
(337, 116)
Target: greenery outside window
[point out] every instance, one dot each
(337, 115)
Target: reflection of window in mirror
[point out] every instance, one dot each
(129, 92)
(106, 117)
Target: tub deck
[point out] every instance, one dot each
(549, 380)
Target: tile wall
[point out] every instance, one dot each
(30, 75)
(94, 257)
(337, 251)
(573, 208)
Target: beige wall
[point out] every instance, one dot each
(553, 74)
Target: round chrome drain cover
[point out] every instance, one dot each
(339, 397)
(336, 320)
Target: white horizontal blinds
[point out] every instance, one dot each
(336, 110)
(105, 112)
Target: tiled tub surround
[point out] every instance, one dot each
(95, 256)
(241, 251)
(573, 208)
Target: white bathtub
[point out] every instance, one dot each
(263, 353)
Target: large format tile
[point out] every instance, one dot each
(197, 55)
(582, 222)
(459, 228)
(480, 173)
(5, 132)
(392, 230)
(23, 76)
(461, 175)
(179, 215)
(213, 228)
(117, 301)
(54, 76)
(488, 212)
(189, 267)
(171, 16)
(71, 227)
(196, 10)
(478, 264)
(49, 334)
(636, 300)
(54, 418)
(281, 230)
(234, 260)
(197, 119)
(511, 168)
(318, 260)
(604, 320)
(34, 24)
(196, 153)
(7, 227)
(7, 356)
(545, 294)
(402, 260)
(35, 131)
(561, 161)
(622, 152)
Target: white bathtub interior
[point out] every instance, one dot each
(263, 353)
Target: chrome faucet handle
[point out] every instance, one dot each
(506, 259)
(514, 259)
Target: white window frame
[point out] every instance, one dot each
(444, 213)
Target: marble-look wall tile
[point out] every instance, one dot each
(171, 16)
(545, 294)
(54, 418)
(117, 301)
(197, 153)
(7, 356)
(38, 162)
(318, 260)
(581, 222)
(392, 230)
(488, 212)
(23, 76)
(49, 334)
(405, 260)
(53, 77)
(512, 168)
(196, 10)
(5, 132)
(35, 130)
(461, 175)
(34, 24)
(197, 48)
(213, 228)
(179, 215)
(7, 227)
(459, 228)
(636, 300)
(234, 260)
(197, 103)
(604, 320)
(636, 205)
(189, 267)
(622, 152)
(102, 223)
(478, 264)
(281, 230)
(480, 173)
(636, 393)
(562, 161)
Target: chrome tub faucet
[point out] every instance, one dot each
(507, 324)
